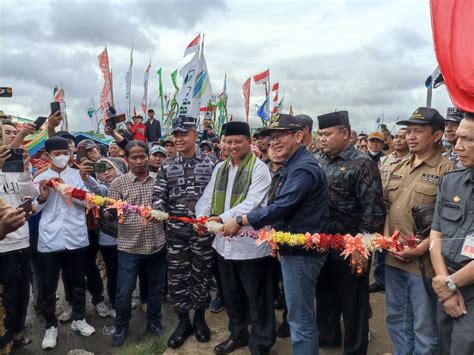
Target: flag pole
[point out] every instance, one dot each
(95, 114)
(130, 85)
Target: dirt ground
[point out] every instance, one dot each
(101, 344)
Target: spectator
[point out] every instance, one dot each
(157, 156)
(153, 128)
(206, 148)
(114, 150)
(139, 129)
(207, 131)
(375, 146)
(128, 134)
(169, 146)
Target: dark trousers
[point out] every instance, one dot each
(15, 277)
(71, 263)
(379, 268)
(109, 253)
(189, 270)
(35, 279)
(341, 291)
(248, 299)
(94, 281)
(215, 273)
(143, 284)
(456, 334)
(128, 268)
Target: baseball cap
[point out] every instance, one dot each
(305, 120)
(157, 149)
(376, 135)
(424, 115)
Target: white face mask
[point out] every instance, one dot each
(60, 161)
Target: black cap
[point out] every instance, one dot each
(454, 115)
(235, 128)
(333, 119)
(261, 132)
(64, 134)
(283, 123)
(56, 143)
(205, 144)
(183, 124)
(424, 115)
(305, 120)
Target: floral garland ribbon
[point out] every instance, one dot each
(358, 248)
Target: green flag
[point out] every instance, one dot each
(174, 75)
(161, 95)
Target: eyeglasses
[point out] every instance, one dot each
(279, 137)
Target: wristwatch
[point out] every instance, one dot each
(450, 284)
(239, 220)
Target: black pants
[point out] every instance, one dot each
(35, 284)
(15, 277)
(216, 275)
(248, 299)
(94, 282)
(109, 253)
(71, 263)
(342, 291)
(143, 284)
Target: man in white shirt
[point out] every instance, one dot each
(238, 186)
(62, 242)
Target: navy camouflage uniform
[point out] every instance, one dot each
(180, 183)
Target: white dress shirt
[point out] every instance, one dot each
(62, 225)
(238, 247)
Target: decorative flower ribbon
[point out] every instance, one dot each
(358, 247)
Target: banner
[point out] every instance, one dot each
(160, 90)
(106, 94)
(193, 46)
(174, 75)
(202, 90)
(185, 93)
(246, 88)
(262, 78)
(145, 88)
(275, 98)
(128, 85)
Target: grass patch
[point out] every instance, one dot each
(149, 345)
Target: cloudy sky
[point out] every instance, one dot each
(365, 56)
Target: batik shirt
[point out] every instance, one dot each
(355, 192)
(180, 182)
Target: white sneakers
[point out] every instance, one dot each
(66, 315)
(49, 340)
(82, 327)
(102, 309)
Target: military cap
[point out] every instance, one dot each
(183, 124)
(454, 115)
(283, 123)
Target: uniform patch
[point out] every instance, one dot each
(396, 177)
(456, 199)
(430, 178)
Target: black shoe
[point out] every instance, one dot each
(155, 329)
(279, 303)
(182, 332)
(283, 330)
(118, 338)
(230, 345)
(202, 332)
(375, 287)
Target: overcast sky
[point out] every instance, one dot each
(366, 57)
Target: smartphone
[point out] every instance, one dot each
(112, 121)
(58, 106)
(39, 122)
(27, 207)
(99, 167)
(6, 92)
(14, 164)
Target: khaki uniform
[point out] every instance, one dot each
(386, 166)
(411, 186)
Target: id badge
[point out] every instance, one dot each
(468, 247)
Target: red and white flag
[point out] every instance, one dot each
(246, 88)
(193, 46)
(106, 94)
(262, 77)
(58, 95)
(275, 97)
(145, 87)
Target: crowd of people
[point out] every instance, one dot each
(418, 181)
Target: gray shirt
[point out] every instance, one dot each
(454, 215)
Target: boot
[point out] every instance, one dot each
(203, 334)
(182, 332)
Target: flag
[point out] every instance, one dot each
(106, 94)
(224, 89)
(261, 78)
(263, 111)
(435, 79)
(91, 109)
(145, 88)
(246, 88)
(275, 97)
(202, 90)
(58, 94)
(185, 93)
(128, 84)
(173, 79)
(193, 46)
(160, 89)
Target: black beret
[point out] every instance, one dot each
(333, 119)
(235, 128)
(56, 143)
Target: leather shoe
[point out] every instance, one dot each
(202, 332)
(230, 345)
